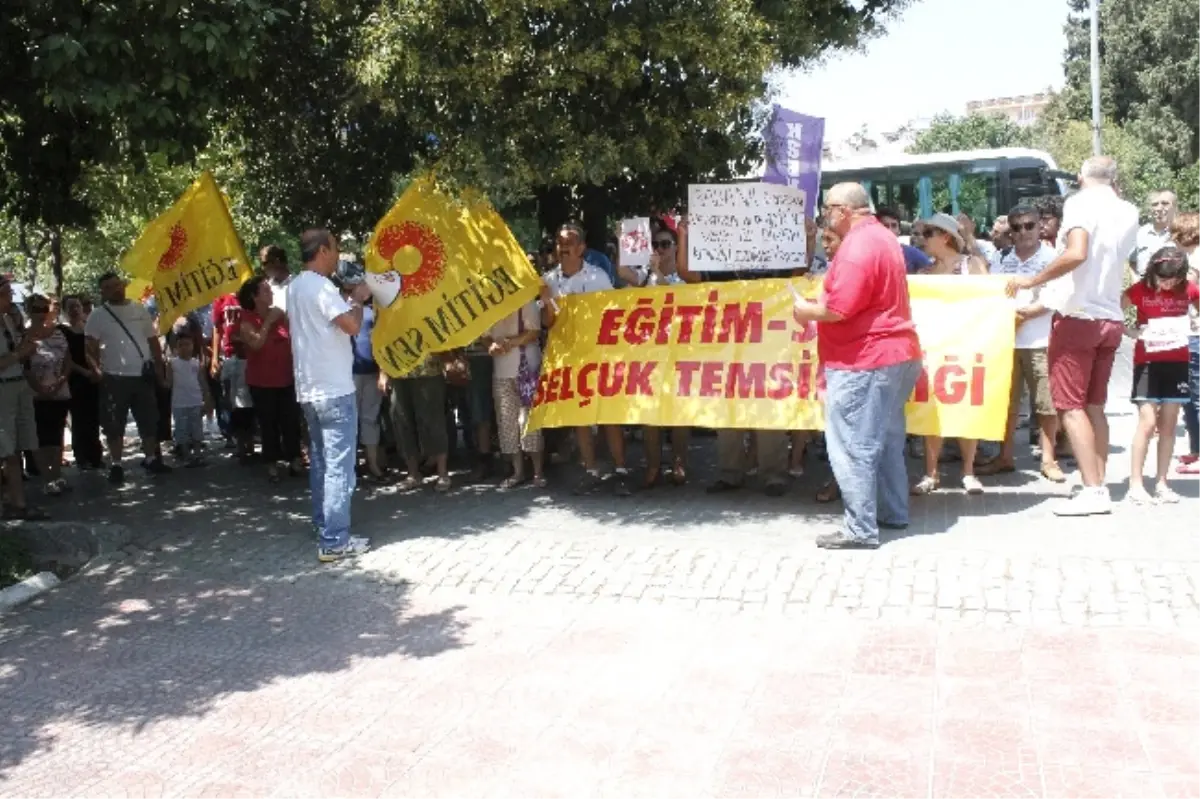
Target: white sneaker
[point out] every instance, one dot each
(1165, 495)
(1138, 496)
(1093, 501)
(972, 485)
(359, 544)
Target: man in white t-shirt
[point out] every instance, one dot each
(1027, 256)
(123, 342)
(1154, 236)
(1098, 233)
(575, 276)
(322, 324)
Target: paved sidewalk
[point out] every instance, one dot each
(672, 644)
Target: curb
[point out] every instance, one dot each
(27, 589)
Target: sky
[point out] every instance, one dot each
(935, 57)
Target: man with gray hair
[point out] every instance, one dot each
(1098, 233)
(1154, 236)
(868, 345)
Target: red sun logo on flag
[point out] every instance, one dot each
(427, 244)
(174, 254)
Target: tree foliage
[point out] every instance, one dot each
(1149, 72)
(101, 81)
(314, 113)
(948, 133)
(630, 96)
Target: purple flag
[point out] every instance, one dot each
(793, 147)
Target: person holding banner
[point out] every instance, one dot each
(768, 452)
(944, 243)
(661, 271)
(573, 275)
(1161, 299)
(872, 357)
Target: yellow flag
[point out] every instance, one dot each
(459, 268)
(190, 255)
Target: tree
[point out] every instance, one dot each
(105, 82)
(949, 133)
(1149, 71)
(1142, 169)
(317, 151)
(580, 102)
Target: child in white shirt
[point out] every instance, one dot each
(190, 399)
(241, 416)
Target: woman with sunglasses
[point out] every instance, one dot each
(661, 271)
(944, 243)
(48, 373)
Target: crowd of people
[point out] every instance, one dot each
(283, 369)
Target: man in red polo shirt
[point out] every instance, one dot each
(868, 345)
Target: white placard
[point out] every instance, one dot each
(1166, 333)
(745, 227)
(635, 241)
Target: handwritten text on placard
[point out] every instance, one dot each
(745, 227)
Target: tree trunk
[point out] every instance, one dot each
(56, 260)
(594, 205)
(553, 209)
(32, 254)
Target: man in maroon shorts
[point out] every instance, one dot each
(1099, 231)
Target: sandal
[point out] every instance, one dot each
(829, 492)
(443, 485)
(408, 484)
(539, 481)
(926, 486)
(993, 467)
(679, 475)
(29, 513)
(509, 483)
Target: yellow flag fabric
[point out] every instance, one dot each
(460, 271)
(190, 255)
(730, 355)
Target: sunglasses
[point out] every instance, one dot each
(1028, 226)
(663, 244)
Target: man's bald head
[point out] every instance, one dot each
(848, 195)
(845, 205)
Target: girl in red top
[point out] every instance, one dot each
(1160, 368)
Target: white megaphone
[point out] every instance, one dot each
(384, 286)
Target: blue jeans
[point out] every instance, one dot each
(864, 431)
(333, 443)
(1191, 411)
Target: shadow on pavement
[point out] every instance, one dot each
(170, 633)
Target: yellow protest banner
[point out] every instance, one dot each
(729, 355)
(459, 268)
(191, 254)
